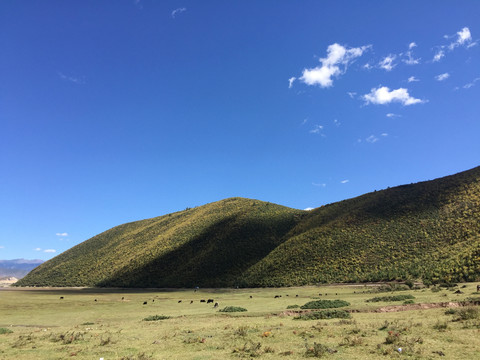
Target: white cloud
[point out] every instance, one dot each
(472, 83)
(410, 60)
(49, 251)
(344, 181)
(352, 94)
(368, 66)
(371, 139)
(387, 62)
(71, 78)
(2, 247)
(392, 115)
(178, 11)
(412, 79)
(308, 209)
(442, 77)
(38, 249)
(62, 234)
(382, 95)
(336, 63)
(439, 55)
(336, 122)
(290, 81)
(304, 121)
(464, 37)
(384, 134)
(317, 129)
(320, 185)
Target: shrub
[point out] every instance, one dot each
(325, 314)
(293, 306)
(5, 331)
(232, 309)
(325, 304)
(391, 298)
(156, 317)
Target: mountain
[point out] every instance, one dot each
(18, 267)
(426, 231)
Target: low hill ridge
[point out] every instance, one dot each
(428, 230)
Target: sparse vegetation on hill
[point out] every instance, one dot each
(427, 231)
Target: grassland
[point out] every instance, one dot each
(98, 323)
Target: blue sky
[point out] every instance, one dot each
(115, 111)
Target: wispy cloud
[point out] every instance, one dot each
(371, 139)
(38, 249)
(49, 251)
(2, 247)
(72, 79)
(62, 234)
(344, 181)
(290, 81)
(411, 60)
(462, 38)
(392, 115)
(336, 122)
(387, 62)
(317, 129)
(319, 185)
(352, 94)
(439, 55)
(178, 11)
(412, 79)
(472, 83)
(442, 77)
(382, 95)
(335, 64)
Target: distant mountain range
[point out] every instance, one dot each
(18, 267)
(428, 231)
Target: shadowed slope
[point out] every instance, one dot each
(428, 230)
(209, 245)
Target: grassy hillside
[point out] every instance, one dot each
(429, 231)
(211, 245)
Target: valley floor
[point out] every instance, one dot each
(109, 324)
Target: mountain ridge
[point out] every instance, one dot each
(427, 230)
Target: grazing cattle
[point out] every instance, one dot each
(95, 300)
(179, 301)
(203, 300)
(215, 306)
(123, 298)
(144, 303)
(191, 301)
(251, 297)
(61, 297)
(478, 288)
(210, 301)
(296, 295)
(278, 296)
(153, 300)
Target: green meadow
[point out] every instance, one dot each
(35, 323)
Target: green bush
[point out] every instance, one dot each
(232, 309)
(325, 304)
(324, 314)
(5, 331)
(391, 298)
(156, 317)
(293, 306)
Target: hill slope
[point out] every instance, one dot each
(429, 230)
(209, 245)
